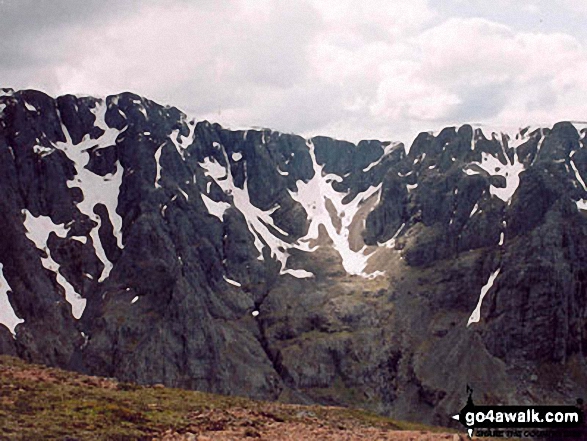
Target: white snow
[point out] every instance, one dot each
(386, 151)
(7, 315)
(582, 204)
(110, 134)
(185, 195)
(86, 340)
(42, 151)
(298, 273)
(237, 156)
(215, 208)
(38, 231)
(255, 313)
(134, 300)
(157, 159)
(412, 187)
(391, 242)
(501, 238)
(313, 196)
(493, 166)
(420, 158)
(96, 189)
(30, 107)
(476, 315)
(578, 175)
(230, 281)
(539, 147)
(281, 172)
(181, 142)
(141, 107)
(258, 220)
(475, 210)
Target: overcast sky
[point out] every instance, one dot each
(351, 69)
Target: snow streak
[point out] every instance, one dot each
(96, 189)
(476, 315)
(7, 315)
(38, 230)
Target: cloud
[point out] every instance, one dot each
(376, 68)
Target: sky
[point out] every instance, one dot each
(367, 69)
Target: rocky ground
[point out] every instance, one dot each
(45, 403)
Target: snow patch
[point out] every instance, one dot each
(299, 273)
(96, 189)
(30, 107)
(475, 210)
(232, 282)
(38, 230)
(313, 196)
(7, 315)
(215, 208)
(476, 315)
(391, 242)
(185, 195)
(157, 162)
(386, 151)
(493, 166)
(42, 151)
(578, 175)
(258, 221)
(237, 156)
(181, 142)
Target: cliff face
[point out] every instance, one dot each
(137, 244)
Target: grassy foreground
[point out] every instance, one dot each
(40, 403)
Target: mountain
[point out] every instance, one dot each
(138, 244)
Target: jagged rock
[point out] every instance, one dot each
(203, 258)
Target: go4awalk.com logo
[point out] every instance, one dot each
(522, 421)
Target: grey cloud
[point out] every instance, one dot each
(23, 23)
(20, 18)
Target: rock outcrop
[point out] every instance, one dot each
(140, 245)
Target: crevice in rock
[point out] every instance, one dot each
(274, 355)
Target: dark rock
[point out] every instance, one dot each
(173, 302)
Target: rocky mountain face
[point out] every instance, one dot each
(138, 244)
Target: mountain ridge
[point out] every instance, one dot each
(137, 244)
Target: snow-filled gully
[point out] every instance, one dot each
(315, 196)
